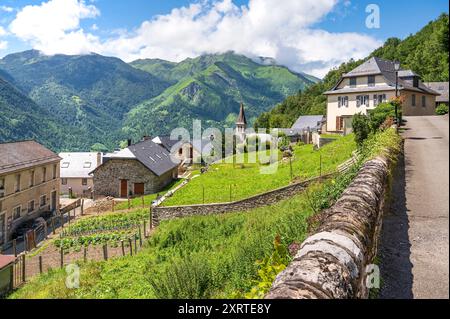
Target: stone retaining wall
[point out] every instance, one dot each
(332, 263)
(161, 213)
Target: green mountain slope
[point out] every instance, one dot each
(23, 119)
(89, 92)
(210, 88)
(425, 52)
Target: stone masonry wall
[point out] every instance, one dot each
(164, 213)
(331, 264)
(107, 177)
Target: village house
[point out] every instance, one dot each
(442, 89)
(75, 169)
(140, 169)
(29, 185)
(370, 84)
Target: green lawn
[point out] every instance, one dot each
(225, 182)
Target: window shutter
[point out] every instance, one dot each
(338, 123)
(358, 100)
(339, 101)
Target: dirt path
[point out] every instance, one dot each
(415, 238)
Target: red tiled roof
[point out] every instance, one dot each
(6, 260)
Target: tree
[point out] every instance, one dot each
(99, 147)
(361, 128)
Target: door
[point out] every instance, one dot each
(139, 189)
(2, 228)
(53, 208)
(123, 188)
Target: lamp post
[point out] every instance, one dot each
(397, 68)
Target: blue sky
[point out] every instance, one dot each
(306, 35)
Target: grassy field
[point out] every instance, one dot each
(213, 256)
(225, 182)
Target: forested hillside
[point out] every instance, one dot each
(425, 52)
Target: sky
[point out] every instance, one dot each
(308, 36)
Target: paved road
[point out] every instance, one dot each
(415, 238)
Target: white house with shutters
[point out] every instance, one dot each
(370, 84)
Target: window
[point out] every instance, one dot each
(55, 171)
(17, 183)
(352, 82)
(87, 165)
(16, 212)
(424, 101)
(371, 80)
(378, 99)
(65, 165)
(64, 181)
(2, 187)
(31, 207)
(84, 181)
(413, 102)
(43, 200)
(31, 178)
(362, 100)
(44, 174)
(342, 101)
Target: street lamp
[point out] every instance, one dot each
(397, 68)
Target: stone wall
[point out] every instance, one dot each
(164, 213)
(108, 176)
(332, 263)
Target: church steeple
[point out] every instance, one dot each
(241, 123)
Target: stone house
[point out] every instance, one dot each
(442, 88)
(140, 169)
(29, 184)
(75, 169)
(370, 84)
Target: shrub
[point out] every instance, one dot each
(379, 115)
(361, 128)
(442, 109)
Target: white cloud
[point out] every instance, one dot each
(54, 26)
(2, 31)
(3, 45)
(6, 9)
(283, 30)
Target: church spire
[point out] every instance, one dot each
(242, 120)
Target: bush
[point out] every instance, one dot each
(379, 115)
(361, 128)
(442, 109)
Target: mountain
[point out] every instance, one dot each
(210, 88)
(89, 92)
(102, 100)
(23, 119)
(425, 52)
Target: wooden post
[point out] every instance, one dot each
(129, 203)
(140, 237)
(145, 228)
(131, 246)
(151, 217)
(123, 247)
(143, 202)
(85, 253)
(113, 205)
(105, 251)
(53, 225)
(34, 238)
(40, 265)
(62, 257)
(82, 207)
(15, 247)
(23, 268)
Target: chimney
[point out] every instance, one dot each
(129, 142)
(146, 138)
(99, 159)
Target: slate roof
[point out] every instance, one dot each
(377, 66)
(440, 87)
(166, 142)
(153, 156)
(78, 165)
(22, 155)
(314, 122)
(241, 118)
